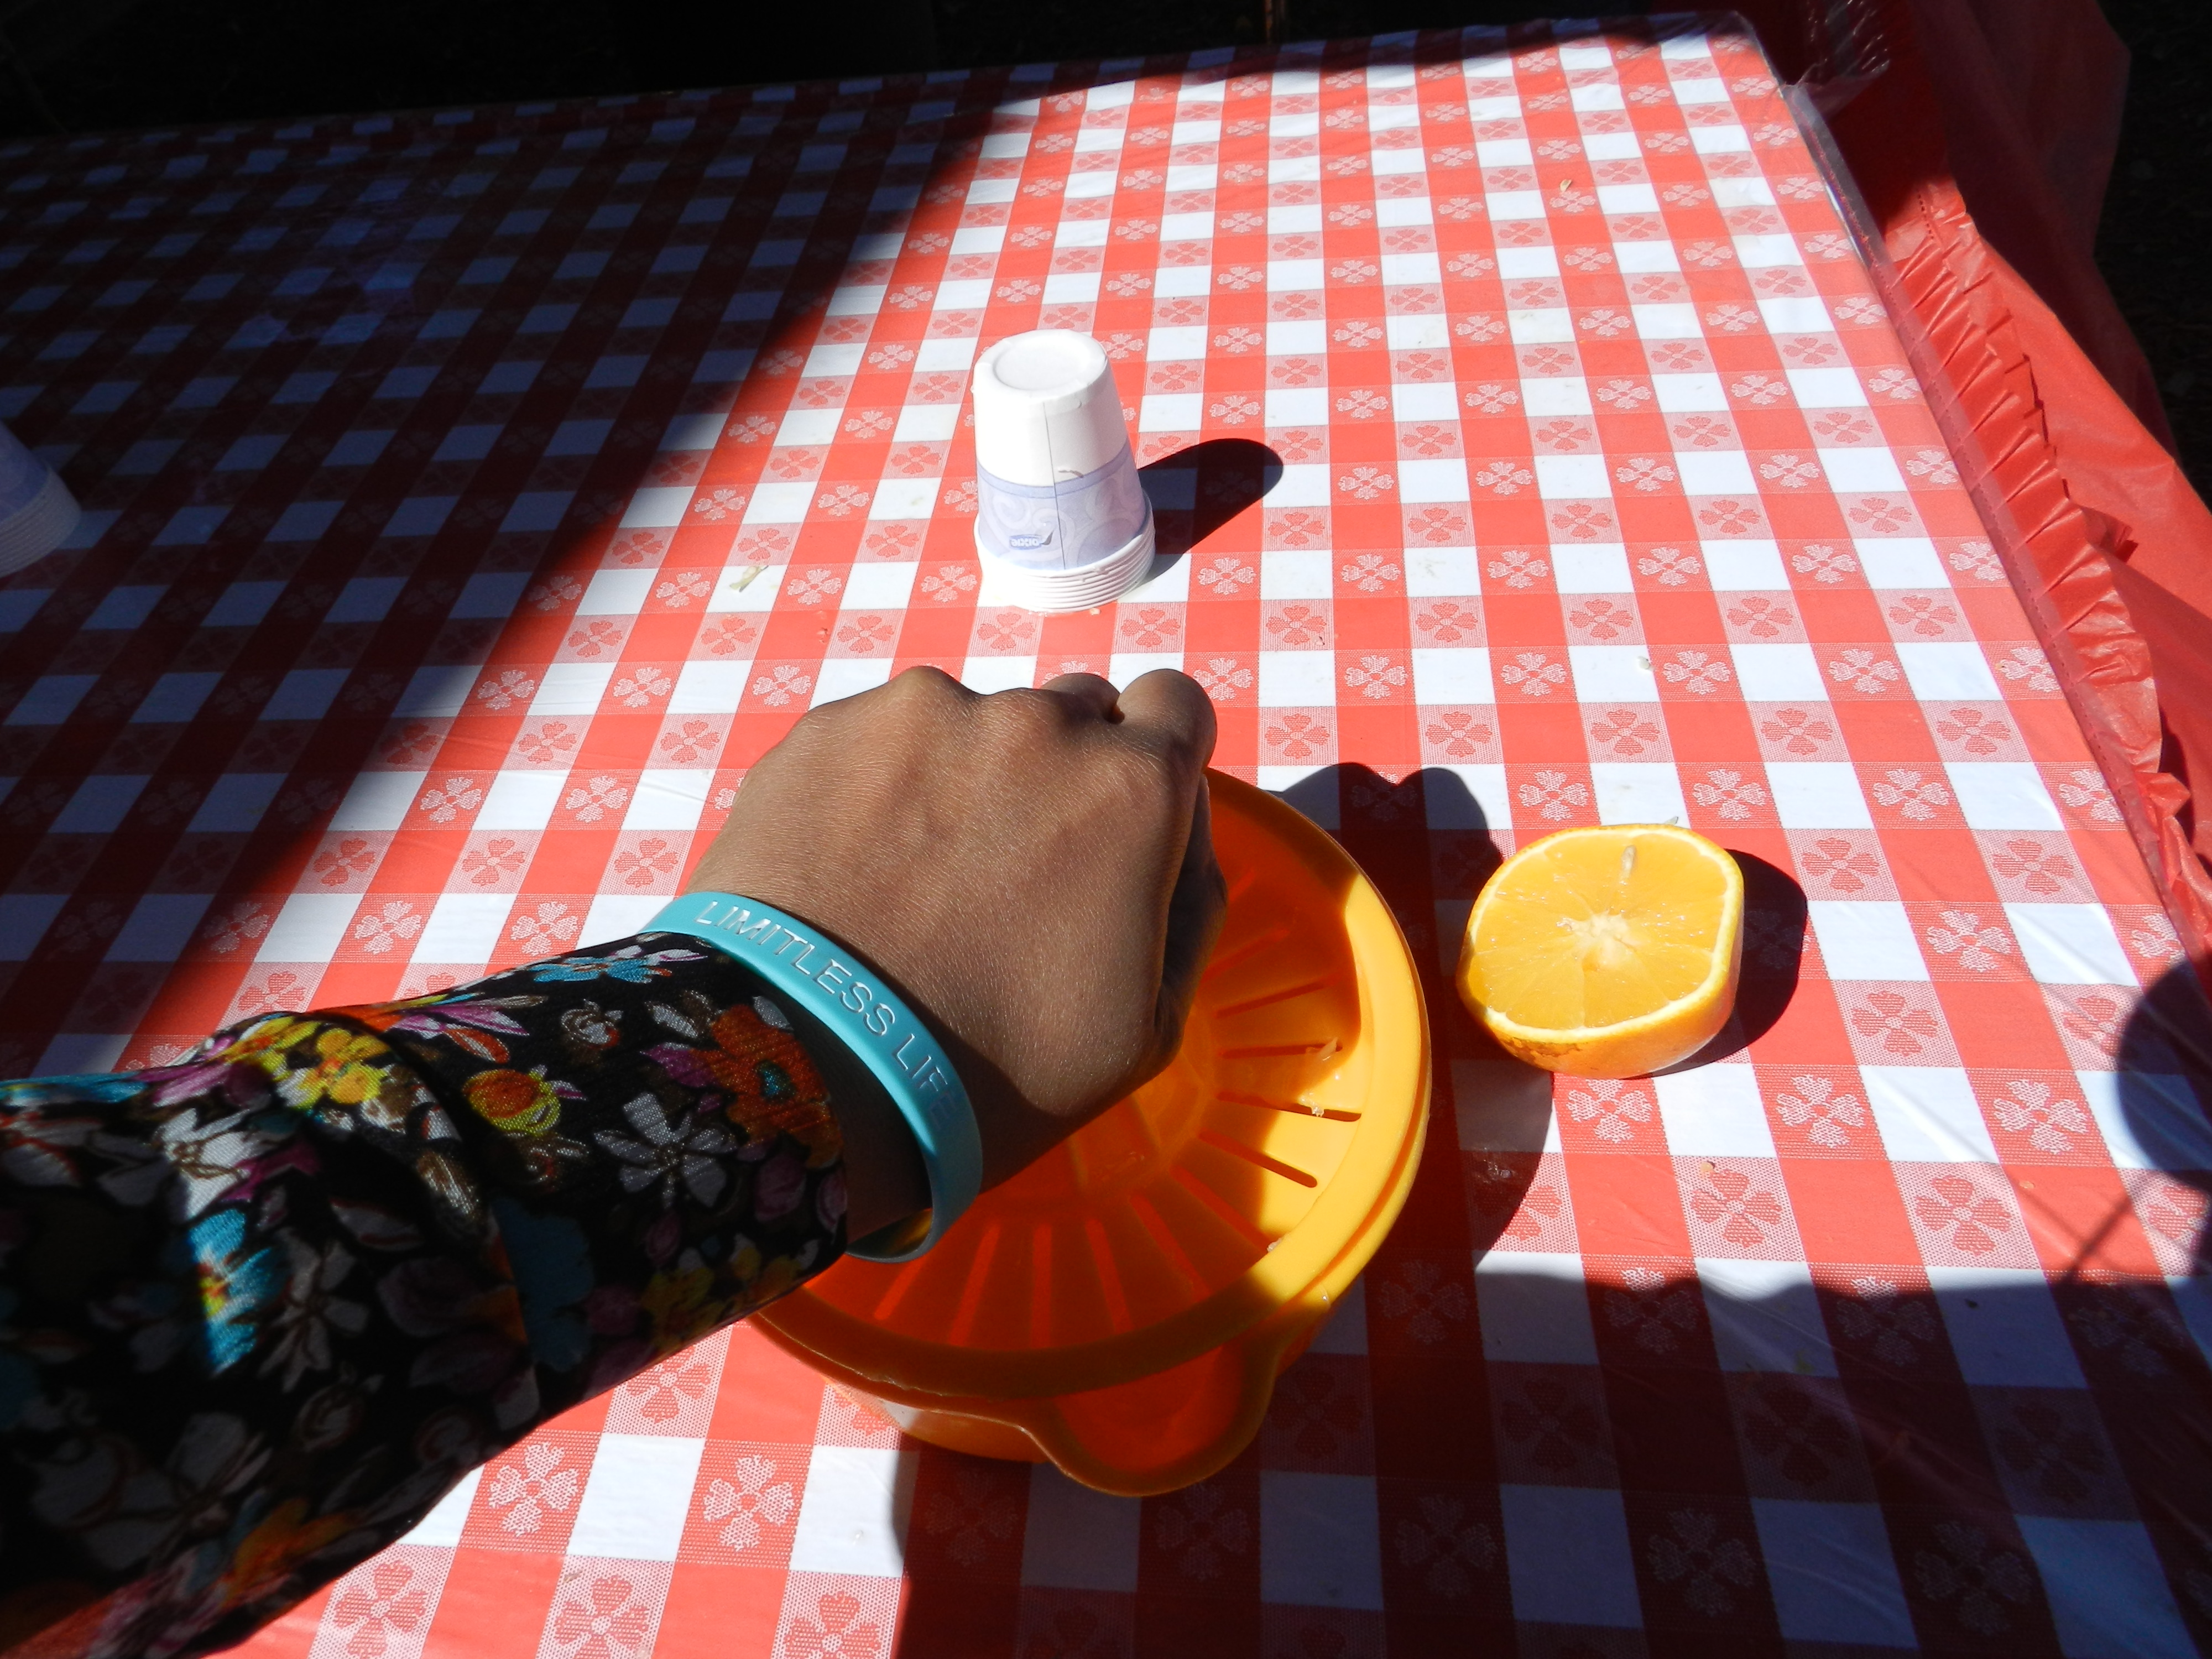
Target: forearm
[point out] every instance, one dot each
(257, 1311)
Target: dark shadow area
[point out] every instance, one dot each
(1319, 795)
(2157, 211)
(86, 66)
(1502, 1113)
(1967, 1400)
(1775, 920)
(1422, 840)
(1349, 798)
(1195, 491)
(405, 614)
(1938, 1417)
(2163, 1061)
(402, 499)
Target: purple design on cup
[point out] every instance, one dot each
(37, 511)
(1063, 525)
(23, 475)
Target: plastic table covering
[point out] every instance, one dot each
(474, 494)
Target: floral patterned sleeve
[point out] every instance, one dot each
(259, 1310)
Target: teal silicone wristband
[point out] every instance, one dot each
(891, 1039)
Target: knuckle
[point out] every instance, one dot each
(1151, 777)
(1027, 711)
(924, 681)
(1172, 751)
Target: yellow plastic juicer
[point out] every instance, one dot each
(1123, 1306)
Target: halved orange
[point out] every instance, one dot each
(1609, 951)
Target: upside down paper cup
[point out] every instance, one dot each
(37, 511)
(1061, 518)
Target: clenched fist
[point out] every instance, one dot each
(1032, 871)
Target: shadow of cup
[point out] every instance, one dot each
(1195, 491)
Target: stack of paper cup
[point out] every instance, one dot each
(37, 511)
(1061, 518)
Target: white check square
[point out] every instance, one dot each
(1078, 1539)
(1901, 562)
(1555, 394)
(1795, 315)
(616, 593)
(1170, 412)
(1177, 344)
(1715, 471)
(1833, 1573)
(1544, 326)
(2003, 795)
(464, 927)
(879, 587)
(1860, 470)
(1296, 572)
(1541, 260)
(1666, 322)
(1535, 1307)
(636, 1497)
(1736, 565)
(1777, 673)
(1927, 1114)
(1685, 394)
(571, 687)
(2069, 945)
(1818, 795)
(1613, 673)
(989, 674)
(709, 688)
(1825, 388)
(854, 1517)
(667, 798)
(310, 928)
(1298, 679)
(1765, 1317)
(1947, 670)
(376, 800)
(1568, 1560)
(848, 677)
(1637, 791)
(1432, 481)
(1571, 476)
(1446, 676)
(1590, 567)
(1867, 938)
(1319, 1540)
(1714, 1111)
(521, 801)
(1417, 332)
(2004, 1326)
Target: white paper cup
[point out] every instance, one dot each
(37, 511)
(1061, 518)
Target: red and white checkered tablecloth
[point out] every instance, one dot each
(473, 495)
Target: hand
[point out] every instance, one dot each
(1032, 871)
